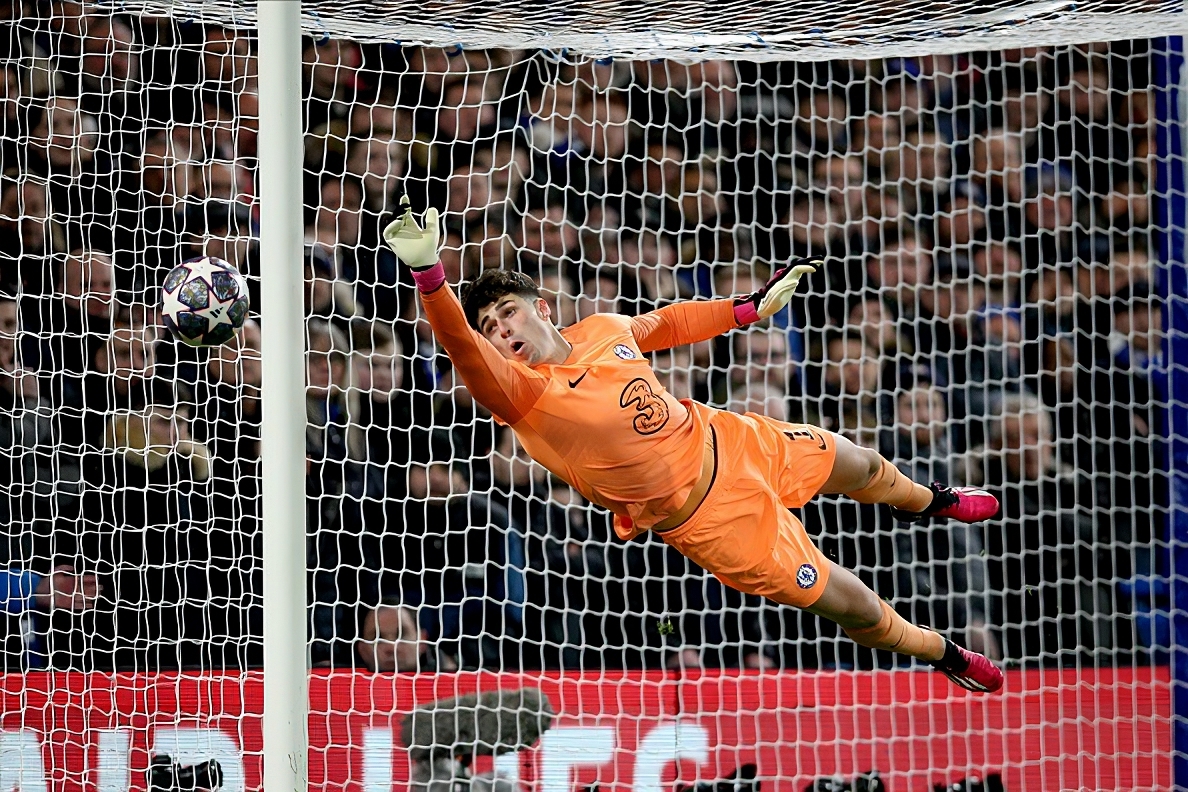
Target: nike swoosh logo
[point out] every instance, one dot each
(574, 383)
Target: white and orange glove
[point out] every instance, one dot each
(775, 294)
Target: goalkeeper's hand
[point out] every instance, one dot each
(775, 294)
(415, 246)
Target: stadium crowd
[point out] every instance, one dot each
(987, 315)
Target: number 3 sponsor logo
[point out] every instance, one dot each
(651, 413)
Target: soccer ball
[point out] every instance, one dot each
(205, 301)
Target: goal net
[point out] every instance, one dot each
(992, 197)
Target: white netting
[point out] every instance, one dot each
(687, 30)
(988, 315)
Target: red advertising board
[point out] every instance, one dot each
(627, 732)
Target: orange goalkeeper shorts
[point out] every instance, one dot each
(743, 532)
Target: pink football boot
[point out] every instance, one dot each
(969, 669)
(966, 504)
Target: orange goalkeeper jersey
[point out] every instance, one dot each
(601, 421)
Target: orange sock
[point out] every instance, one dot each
(897, 634)
(895, 489)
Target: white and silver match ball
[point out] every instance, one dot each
(204, 301)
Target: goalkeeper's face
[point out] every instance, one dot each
(521, 328)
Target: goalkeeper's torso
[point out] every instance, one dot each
(607, 426)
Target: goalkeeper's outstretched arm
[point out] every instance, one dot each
(507, 388)
(694, 321)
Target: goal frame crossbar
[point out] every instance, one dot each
(681, 32)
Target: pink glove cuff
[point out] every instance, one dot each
(430, 278)
(746, 313)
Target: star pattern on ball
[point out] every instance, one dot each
(170, 304)
(204, 268)
(217, 311)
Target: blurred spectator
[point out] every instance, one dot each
(1045, 592)
(109, 70)
(651, 261)
(821, 123)
(28, 234)
(393, 438)
(1048, 237)
(390, 639)
(568, 552)
(461, 555)
(63, 143)
(599, 294)
(154, 554)
(813, 230)
(919, 442)
(121, 373)
(1000, 265)
(848, 389)
(996, 168)
(960, 221)
(157, 439)
(878, 328)
(329, 298)
(876, 137)
(378, 163)
(1077, 132)
(1128, 424)
(845, 183)
(233, 409)
(331, 402)
(1127, 207)
(1050, 307)
(547, 235)
(974, 349)
(507, 165)
(468, 105)
(81, 322)
(331, 80)
(899, 272)
(759, 370)
(924, 169)
(228, 64)
(343, 560)
(559, 290)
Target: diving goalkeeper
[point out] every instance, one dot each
(717, 486)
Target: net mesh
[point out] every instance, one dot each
(989, 314)
(690, 31)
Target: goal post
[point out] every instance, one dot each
(282, 315)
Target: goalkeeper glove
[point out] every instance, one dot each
(775, 294)
(415, 246)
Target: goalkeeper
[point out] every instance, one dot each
(717, 486)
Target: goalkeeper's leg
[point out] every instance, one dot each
(867, 477)
(871, 622)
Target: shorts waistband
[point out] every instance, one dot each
(709, 473)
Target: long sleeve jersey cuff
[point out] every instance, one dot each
(429, 279)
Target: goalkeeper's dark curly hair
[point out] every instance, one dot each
(490, 287)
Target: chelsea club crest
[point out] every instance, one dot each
(806, 576)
